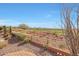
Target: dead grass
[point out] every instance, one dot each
(2, 43)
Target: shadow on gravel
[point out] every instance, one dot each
(13, 39)
(21, 43)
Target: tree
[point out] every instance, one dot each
(71, 32)
(23, 26)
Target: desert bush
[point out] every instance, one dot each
(27, 40)
(20, 36)
(2, 44)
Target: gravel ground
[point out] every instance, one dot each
(14, 47)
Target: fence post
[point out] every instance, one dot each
(4, 35)
(10, 30)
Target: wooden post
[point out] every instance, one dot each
(10, 30)
(4, 30)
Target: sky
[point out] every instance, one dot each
(43, 15)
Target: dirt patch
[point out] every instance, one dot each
(21, 53)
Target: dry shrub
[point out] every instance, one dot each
(71, 32)
(2, 44)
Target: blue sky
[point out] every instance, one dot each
(34, 15)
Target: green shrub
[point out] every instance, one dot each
(27, 40)
(2, 44)
(20, 36)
